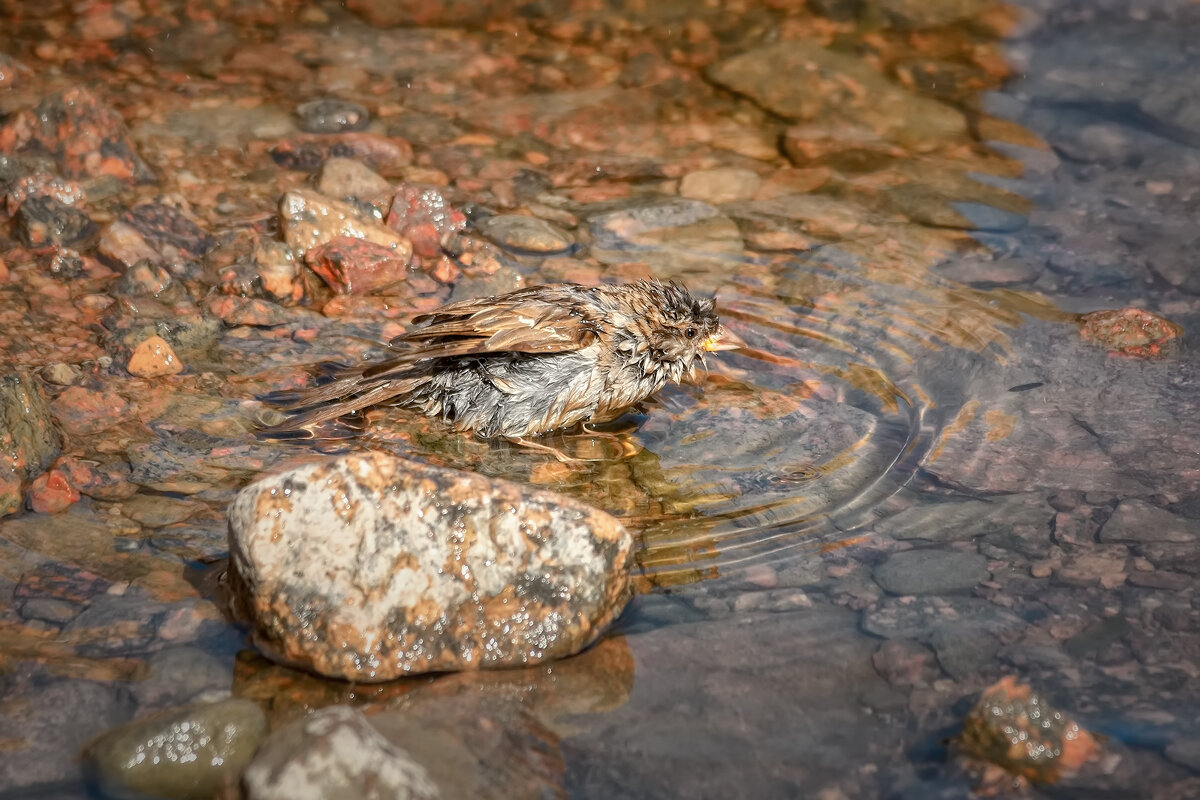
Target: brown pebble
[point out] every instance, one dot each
(154, 358)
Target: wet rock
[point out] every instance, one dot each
(986, 274)
(148, 279)
(188, 752)
(309, 219)
(43, 221)
(526, 234)
(41, 184)
(902, 662)
(29, 439)
(717, 186)
(84, 136)
(475, 739)
(46, 722)
(803, 81)
(82, 412)
(1138, 521)
(916, 572)
(153, 358)
(107, 480)
(353, 266)
(1130, 332)
(424, 216)
(173, 236)
(346, 178)
(179, 675)
(1015, 729)
(189, 334)
(334, 753)
(61, 374)
(307, 152)
(897, 618)
(671, 235)
(532, 576)
(961, 519)
(278, 272)
(1185, 752)
(52, 492)
(123, 244)
(253, 311)
(332, 116)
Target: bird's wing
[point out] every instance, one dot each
(519, 322)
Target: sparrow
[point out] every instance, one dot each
(531, 361)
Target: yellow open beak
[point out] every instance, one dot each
(723, 339)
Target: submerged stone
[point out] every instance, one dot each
(335, 753)
(187, 752)
(927, 571)
(372, 567)
(1013, 728)
(1130, 332)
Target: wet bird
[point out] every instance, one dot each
(532, 361)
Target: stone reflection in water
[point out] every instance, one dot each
(491, 735)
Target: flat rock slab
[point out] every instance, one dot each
(371, 567)
(914, 572)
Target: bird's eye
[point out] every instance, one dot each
(690, 333)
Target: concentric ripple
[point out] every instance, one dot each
(803, 441)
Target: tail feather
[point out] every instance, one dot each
(341, 397)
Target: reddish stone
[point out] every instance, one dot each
(82, 412)
(52, 493)
(248, 311)
(101, 481)
(1130, 332)
(69, 193)
(355, 266)
(424, 216)
(1014, 729)
(84, 136)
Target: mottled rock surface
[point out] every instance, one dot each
(332, 754)
(371, 567)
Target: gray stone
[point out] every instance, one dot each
(723, 185)
(178, 675)
(371, 567)
(897, 618)
(526, 234)
(1185, 752)
(46, 725)
(960, 519)
(672, 235)
(331, 115)
(1138, 521)
(335, 754)
(802, 80)
(186, 753)
(345, 178)
(914, 572)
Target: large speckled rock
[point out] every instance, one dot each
(370, 567)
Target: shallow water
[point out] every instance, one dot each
(918, 479)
